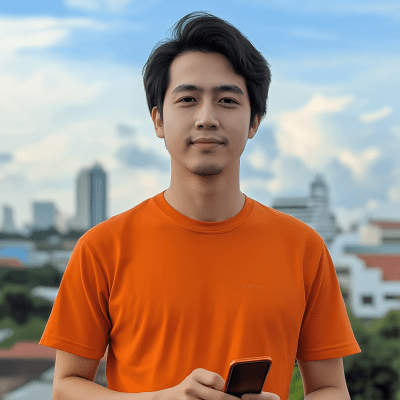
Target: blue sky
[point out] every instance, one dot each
(72, 94)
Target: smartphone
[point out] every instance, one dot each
(247, 375)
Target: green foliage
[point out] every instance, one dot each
(13, 276)
(31, 330)
(296, 385)
(375, 373)
(46, 275)
(16, 302)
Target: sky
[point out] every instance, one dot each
(71, 94)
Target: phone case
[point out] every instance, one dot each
(247, 375)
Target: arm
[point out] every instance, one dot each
(324, 379)
(74, 379)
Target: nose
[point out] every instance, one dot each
(206, 118)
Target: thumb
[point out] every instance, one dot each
(219, 382)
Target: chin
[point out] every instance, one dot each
(207, 170)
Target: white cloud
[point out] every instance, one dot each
(38, 32)
(258, 159)
(247, 184)
(372, 205)
(394, 194)
(374, 116)
(95, 5)
(346, 217)
(357, 7)
(301, 133)
(359, 163)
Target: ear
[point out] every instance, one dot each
(254, 126)
(158, 123)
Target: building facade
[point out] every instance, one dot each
(91, 197)
(368, 268)
(44, 215)
(313, 210)
(8, 225)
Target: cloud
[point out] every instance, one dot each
(374, 116)
(341, 7)
(301, 132)
(133, 156)
(96, 5)
(359, 163)
(5, 158)
(39, 32)
(394, 194)
(125, 130)
(258, 160)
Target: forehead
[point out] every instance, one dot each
(203, 69)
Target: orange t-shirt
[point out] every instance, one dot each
(170, 294)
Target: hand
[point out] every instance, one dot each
(200, 384)
(260, 396)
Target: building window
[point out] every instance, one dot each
(342, 271)
(369, 300)
(392, 297)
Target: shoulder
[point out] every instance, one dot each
(287, 226)
(116, 230)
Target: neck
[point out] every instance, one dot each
(209, 199)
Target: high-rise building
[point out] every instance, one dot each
(8, 220)
(313, 209)
(91, 197)
(44, 215)
(98, 198)
(82, 220)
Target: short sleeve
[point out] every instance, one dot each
(79, 322)
(325, 331)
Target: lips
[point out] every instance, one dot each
(208, 140)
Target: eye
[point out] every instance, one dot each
(187, 99)
(229, 101)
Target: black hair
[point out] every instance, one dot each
(201, 31)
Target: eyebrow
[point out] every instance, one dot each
(215, 89)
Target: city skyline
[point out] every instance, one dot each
(72, 94)
(90, 207)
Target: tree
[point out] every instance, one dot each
(47, 275)
(16, 302)
(374, 373)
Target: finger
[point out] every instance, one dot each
(261, 396)
(209, 378)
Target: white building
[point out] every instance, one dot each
(313, 209)
(368, 268)
(8, 225)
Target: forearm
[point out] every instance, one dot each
(329, 393)
(74, 387)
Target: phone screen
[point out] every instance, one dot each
(247, 377)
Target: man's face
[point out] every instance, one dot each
(205, 99)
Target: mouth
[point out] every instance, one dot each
(206, 145)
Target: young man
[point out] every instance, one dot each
(200, 275)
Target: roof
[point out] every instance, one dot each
(389, 264)
(13, 263)
(386, 224)
(31, 349)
